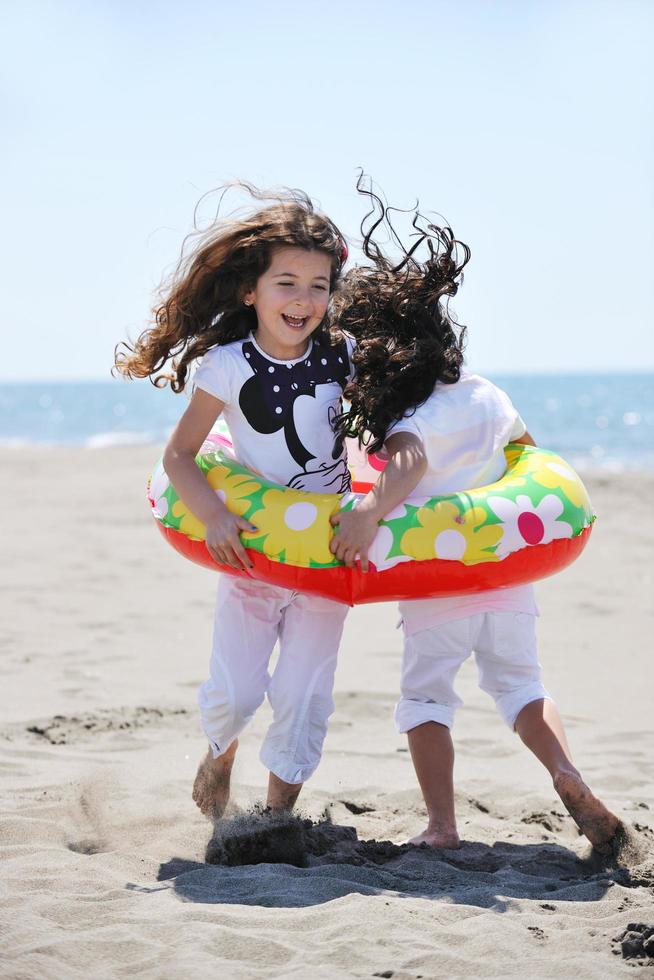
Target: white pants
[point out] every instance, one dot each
(505, 650)
(250, 617)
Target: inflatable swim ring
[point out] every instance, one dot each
(530, 524)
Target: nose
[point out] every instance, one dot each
(302, 301)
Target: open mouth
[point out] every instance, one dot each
(296, 322)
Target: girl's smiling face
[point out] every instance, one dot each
(290, 300)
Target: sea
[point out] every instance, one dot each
(595, 421)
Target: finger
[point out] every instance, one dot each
(335, 520)
(341, 550)
(242, 556)
(358, 559)
(221, 554)
(231, 557)
(335, 546)
(244, 525)
(348, 557)
(364, 563)
(217, 555)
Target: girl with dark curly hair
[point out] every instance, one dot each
(250, 300)
(444, 431)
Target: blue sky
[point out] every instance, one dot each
(527, 124)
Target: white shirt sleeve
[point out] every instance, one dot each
(406, 424)
(519, 428)
(215, 375)
(511, 415)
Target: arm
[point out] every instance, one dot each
(223, 541)
(357, 529)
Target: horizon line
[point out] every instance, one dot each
(515, 373)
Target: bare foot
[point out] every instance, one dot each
(594, 820)
(439, 837)
(211, 786)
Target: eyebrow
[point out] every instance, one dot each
(280, 275)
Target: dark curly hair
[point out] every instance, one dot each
(398, 313)
(201, 305)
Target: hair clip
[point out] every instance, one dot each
(342, 252)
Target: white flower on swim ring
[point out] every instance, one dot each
(158, 486)
(562, 469)
(524, 523)
(300, 515)
(160, 508)
(380, 550)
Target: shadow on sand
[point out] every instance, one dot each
(290, 862)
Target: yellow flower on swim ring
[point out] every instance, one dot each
(446, 533)
(295, 526)
(557, 475)
(232, 488)
(188, 522)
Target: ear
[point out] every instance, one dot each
(248, 298)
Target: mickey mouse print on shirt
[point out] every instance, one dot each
(280, 413)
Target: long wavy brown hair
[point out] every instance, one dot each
(201, 305)
(407, 339)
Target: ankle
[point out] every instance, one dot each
(442, 825)
(567, 769)
(282, 802)
(282, 796)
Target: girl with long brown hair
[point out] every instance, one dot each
(249, 301)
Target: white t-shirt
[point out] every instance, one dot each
(464, 428)
(280, 413)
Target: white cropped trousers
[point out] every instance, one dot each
(504, 644)
(250, 617)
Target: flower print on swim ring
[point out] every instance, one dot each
(524, 527)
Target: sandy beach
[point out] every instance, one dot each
(106, 637)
